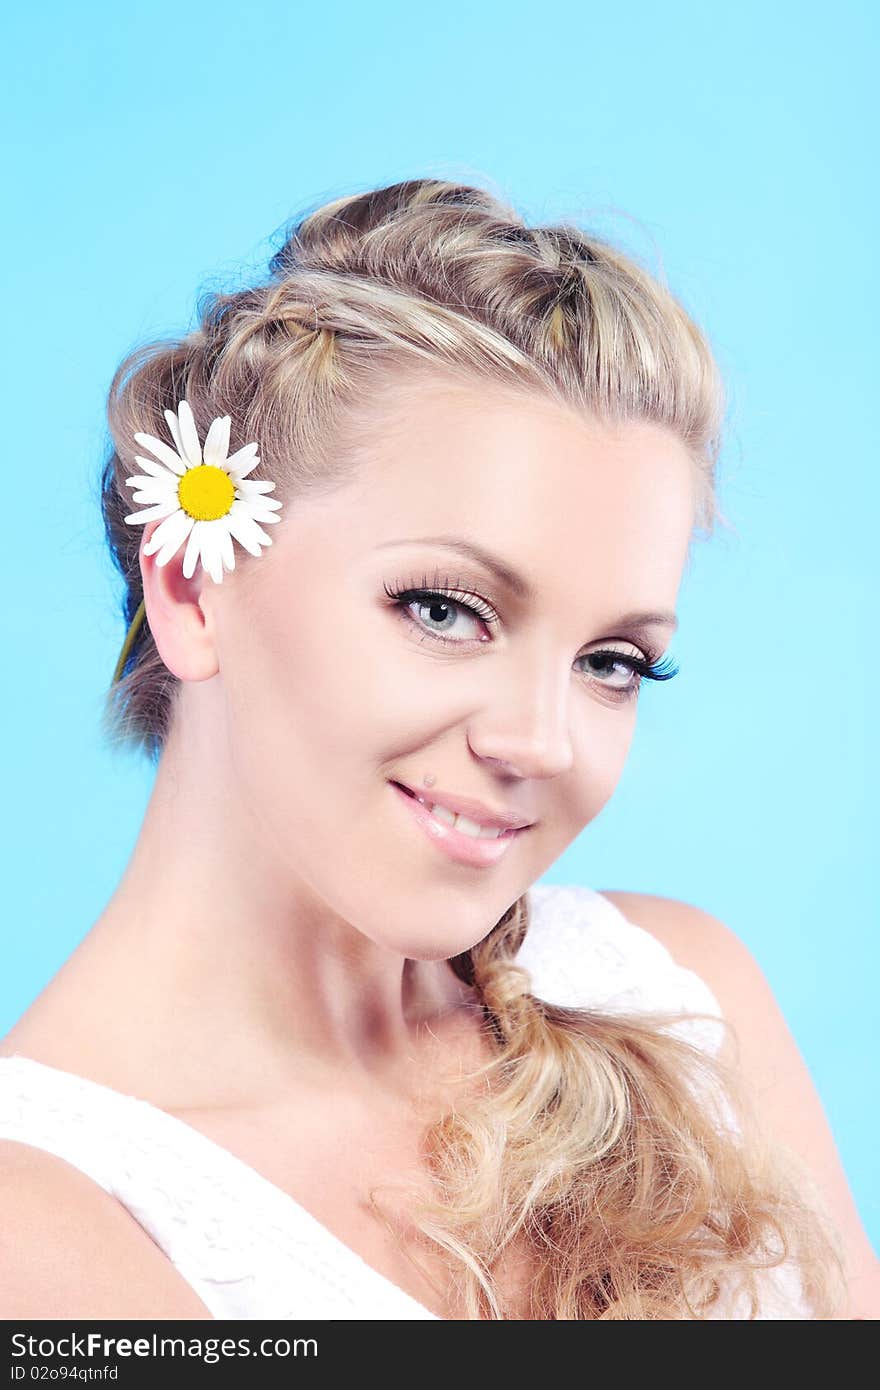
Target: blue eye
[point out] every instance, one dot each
(439, 607)
(637, 668)
(449, 604)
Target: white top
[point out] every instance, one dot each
(247, 1248)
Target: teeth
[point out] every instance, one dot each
(461, 823)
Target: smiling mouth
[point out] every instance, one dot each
(463, 825)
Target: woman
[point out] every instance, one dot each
(329, 1051)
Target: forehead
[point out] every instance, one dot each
(521, 469)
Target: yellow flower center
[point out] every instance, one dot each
(205, 492)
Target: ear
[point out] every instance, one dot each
(180, 613)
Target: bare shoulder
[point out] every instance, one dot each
(70, 1250)
(770, 1062)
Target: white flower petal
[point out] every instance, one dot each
(158, 470)
(192, 449)
(179, 526)
(256, 505)
(193, 547)
(169, 528)
(151, 497)
(242, 462)
(244, 452)
(211, 561)
(175, 431)
(163, 452)
(249, 486)
(160, 491)
(226, 550)
(242, 473)
(246, 531)
(150, 480)
(152, 513)
(217, 441)
(260, 508)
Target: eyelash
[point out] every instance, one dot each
(650, 669)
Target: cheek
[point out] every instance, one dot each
(319, 689)
(602, 744)
(613, 751)
(364, 682)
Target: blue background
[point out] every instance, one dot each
(154, 151)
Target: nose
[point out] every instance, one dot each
(528, 736)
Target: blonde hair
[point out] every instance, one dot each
(588, 1148)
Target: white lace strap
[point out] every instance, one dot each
(582, 952)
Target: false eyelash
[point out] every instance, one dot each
(651, 669)
(647, 670)
(440, 590)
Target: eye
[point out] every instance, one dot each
(630, 669)
(442, 615)
(439, 612)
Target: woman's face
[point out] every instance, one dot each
(333, 690)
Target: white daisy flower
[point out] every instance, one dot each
(203, 499)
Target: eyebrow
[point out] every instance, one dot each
(515, 582)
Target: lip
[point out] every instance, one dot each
(474, 810)
(465, 849)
